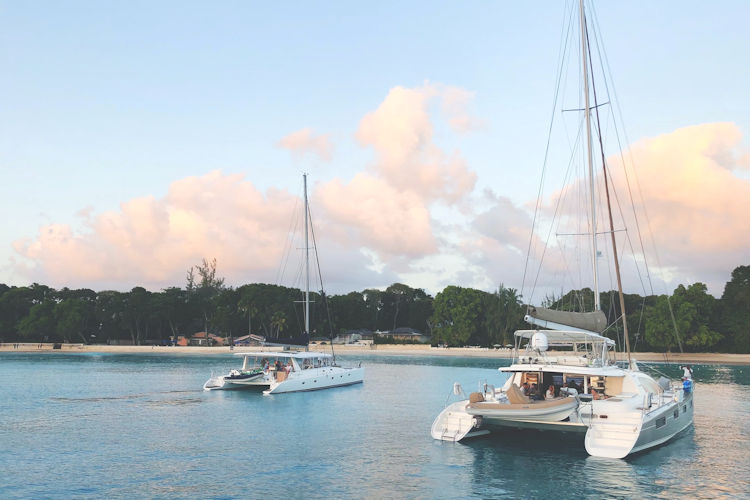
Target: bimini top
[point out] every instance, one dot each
(565, 337)
(286, 354)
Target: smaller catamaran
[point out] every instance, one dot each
(580, 388)
(286, 371)
(276, 372)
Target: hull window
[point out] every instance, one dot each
(661, 422)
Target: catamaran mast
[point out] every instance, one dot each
(612, 228)
(307, 264)
(592, 193)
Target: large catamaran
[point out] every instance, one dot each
(617, 408)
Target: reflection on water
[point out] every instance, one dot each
(78, 428)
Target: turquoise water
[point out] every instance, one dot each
(140, 426)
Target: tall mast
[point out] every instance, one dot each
(612, 230)
(307, 264)
(587, 113)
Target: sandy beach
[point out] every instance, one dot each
(380, 349)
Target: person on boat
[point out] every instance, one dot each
(594, 394)
(550, 394)
(687, 379)
(289, 366)
(277, 365)
(534, 393)
(525, 389)
(264, 363)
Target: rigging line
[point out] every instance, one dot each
(602, 57)
(565, 33)
(560, 199)
(606, 66)
(286, 251)
(640, 191)
(324, 297)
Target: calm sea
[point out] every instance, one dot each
(140, 426)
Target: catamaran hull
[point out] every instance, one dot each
(257, 382)
(677, 418)
(317, 378)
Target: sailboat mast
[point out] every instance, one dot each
(611, 225)
(307, 263)
(592, 193)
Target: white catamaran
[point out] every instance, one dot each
(617, 409)
(276, 372)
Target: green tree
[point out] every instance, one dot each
(458, 316)
(137, 313)
(73, 316)
(203, 286)
(693, 308)
(733, 312)
(40, 323)
(278, 322)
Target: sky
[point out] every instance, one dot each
(137, 138)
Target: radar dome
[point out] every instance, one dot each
(539, 342)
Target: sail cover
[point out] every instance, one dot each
(592, 321)
(300, 340)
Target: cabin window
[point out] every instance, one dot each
(661, 422)
(676, 413)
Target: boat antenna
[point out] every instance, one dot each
(609, 211)
(587, 113)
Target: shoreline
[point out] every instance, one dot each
(377, 349)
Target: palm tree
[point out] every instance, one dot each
(278, 322)
(248, 308)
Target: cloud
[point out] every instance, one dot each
(378, 222)
(410, 214)
(400, 132)
(697, 203)
(371, 213)
(152, 242)
(691, 201)
(304, 142)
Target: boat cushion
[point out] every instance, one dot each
(515, 396)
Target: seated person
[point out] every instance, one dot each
(550, 394)
(525, 389)
(596, 395)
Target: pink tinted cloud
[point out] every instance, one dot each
(697, 204)
(152, 242)
(304, 141)
(691, 200)
(369, 212)
(400, 132)
(381, 217)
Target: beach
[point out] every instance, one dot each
(376, 349)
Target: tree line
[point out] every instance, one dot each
(456, 316)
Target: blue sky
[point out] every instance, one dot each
(103, 103)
